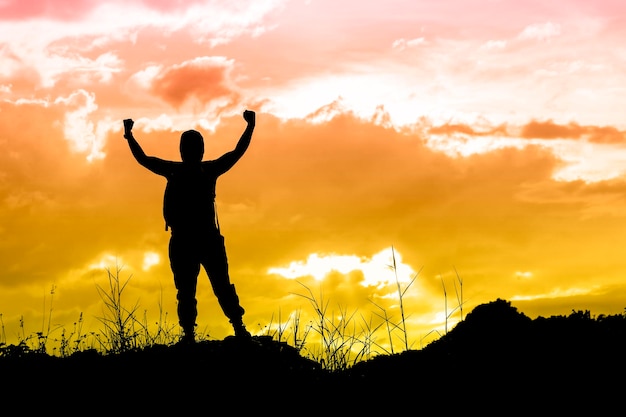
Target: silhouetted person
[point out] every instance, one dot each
(189, 211)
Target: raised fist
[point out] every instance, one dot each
(128, 125)
(249, 116)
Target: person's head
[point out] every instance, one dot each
(191, 146)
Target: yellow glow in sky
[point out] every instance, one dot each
(377, 270)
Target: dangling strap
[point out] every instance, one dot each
(217, 222)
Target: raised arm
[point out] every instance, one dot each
(229, 159)
(154, 164)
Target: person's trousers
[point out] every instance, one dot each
(189, 251)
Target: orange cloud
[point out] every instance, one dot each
(551, 130)
(206, 79)
(452, 128)
(606, 134)
(343, 186)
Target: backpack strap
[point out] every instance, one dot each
(217, 222)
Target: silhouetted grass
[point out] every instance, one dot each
(337, 339)
(497, 361)
(341, 344)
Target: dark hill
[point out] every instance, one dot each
(495, 362)
(498, 361)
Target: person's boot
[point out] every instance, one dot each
(240, 329)
(188, 338)
(230, 305)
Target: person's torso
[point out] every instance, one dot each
(189, 198)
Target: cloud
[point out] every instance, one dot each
(82, 43)
(16, 76)
(78, 129)
(402, 44)
(150, 259)
(170, 6)
(66, 10)
(471, 130)
(595, 134)
(494, 45)
(205, 79)
(76, 70)
(377, 270)
(495, 165)
(540, 31)
(591, 153)
(550, 130)
(339, 186)
(606, 135)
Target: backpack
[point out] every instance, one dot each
(189, 201)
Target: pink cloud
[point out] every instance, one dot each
(56, 9)
(169, 5)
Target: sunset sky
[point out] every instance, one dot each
(483, 142)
